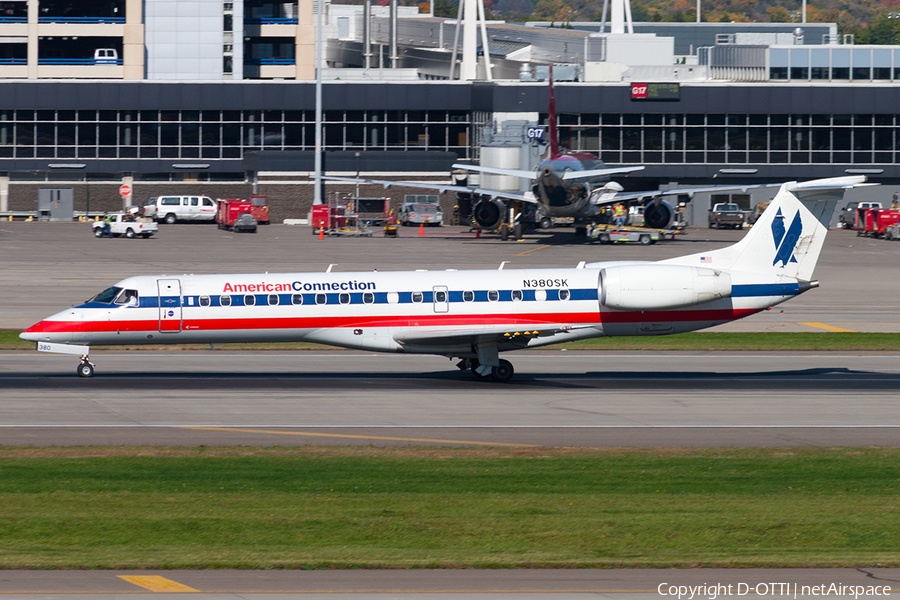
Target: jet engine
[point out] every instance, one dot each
(489, 214)
(658, 215)
(661, 287)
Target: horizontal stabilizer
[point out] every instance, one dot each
(599, 172)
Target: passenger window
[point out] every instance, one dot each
(540, 295)
(185, 201)
(204, 300)
(368, 297)
(563, 294)
(493, 295)
(393, 297)
(417, 297)
(516, 295)
(345, 298)
(249, 300)
(273, 299)
(225, 300)
(468, 296)
(321, 299)
(440, 296)
(195, 201)
(297, 299)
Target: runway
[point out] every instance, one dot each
(557, 398)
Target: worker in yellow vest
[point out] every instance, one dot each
(619, 214)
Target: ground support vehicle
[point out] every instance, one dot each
(122, 224)
(244, 223)
(726, 215)
(423, 210)
(334, 219)
(171, 209)
(892, 232)
(874, 221)
(609, 234)
(374, 212)
(853, 215)
(231, 209)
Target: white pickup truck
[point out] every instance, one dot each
(127, 225)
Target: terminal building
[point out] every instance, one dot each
(218, 98)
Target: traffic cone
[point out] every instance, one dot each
(321, 233)
(421, 229)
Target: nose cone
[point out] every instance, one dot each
(33, 333)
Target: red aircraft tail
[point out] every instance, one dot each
(554, 141)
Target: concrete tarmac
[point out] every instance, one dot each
(561, 398)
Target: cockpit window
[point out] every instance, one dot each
(106, 296)
(129, 297)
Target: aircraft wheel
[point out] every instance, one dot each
(645, 240)
(85, 369)
(473, 366)
(504, 231)
(129, 233)
(502, 373)
(517, 231)
(604, 238)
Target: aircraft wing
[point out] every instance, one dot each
(498, 171)
(487, 335)
(607, 197)
(441, 188)
(600, 172)
(533, 174)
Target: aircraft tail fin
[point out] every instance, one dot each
(551, 117)
(788, 237)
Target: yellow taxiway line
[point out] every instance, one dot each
(532, 250)
(827, 327)
(155, 583)
(361, 437)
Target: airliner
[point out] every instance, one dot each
(469, 316)
(565, 184)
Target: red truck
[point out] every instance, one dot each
(874, 221)
(230, 209)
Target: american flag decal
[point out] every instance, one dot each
(706, 259)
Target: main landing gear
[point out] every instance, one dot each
(86, 368)
(501, 373)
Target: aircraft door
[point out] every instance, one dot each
(441, 299)
(169, 305)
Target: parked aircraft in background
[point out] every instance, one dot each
(467, 315)
(565, 184)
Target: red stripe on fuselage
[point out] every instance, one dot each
(434, 320)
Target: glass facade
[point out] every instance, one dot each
(735, 138)
(224, 134)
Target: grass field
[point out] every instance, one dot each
(770, 341)
(410, 507)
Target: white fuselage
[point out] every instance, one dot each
(394, 311)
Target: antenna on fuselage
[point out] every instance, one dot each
(551, 110)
